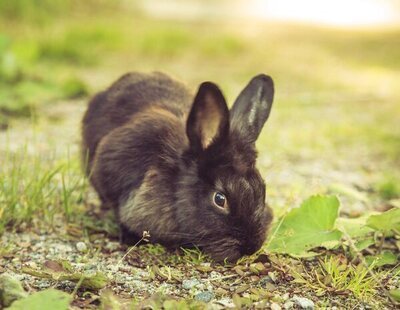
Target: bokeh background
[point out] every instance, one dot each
(335, 124)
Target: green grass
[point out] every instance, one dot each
(335, 275)
(389, 187)
(357, 279)
(34, 187)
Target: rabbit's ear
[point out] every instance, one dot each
(252, 107)
(208, 120)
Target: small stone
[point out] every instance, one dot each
(63, 248)
(263, 282)
(188, 284)
(270, 287)
(81, 247)
(42, 284)
(285, 296)
(303, 303)
(221, 291)
(272, 276)
(277, 299)
(112, 246)
(275, 306)
(288, 305)
(204, 296)
(226, 302)
(214, 274)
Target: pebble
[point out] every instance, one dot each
(214, 274)
(19, 277)
(272, 276)
(288, 305)
(275, 306)
(81, 247)
(226, 302)
(188, 284)
(270, 287)
(113, 268)
(303, 303)
(112, 246)
(263, 282)
(42, 284)
(204, 296)
(57, 248)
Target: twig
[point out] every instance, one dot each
(145, 236)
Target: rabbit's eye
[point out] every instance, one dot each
(220, 200)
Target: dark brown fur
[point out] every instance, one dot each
(157, 154)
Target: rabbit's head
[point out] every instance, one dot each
(221, 182)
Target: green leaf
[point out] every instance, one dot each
(385, 258)
(354, 227)
(395, 294)
(312, 225)
(386, 221)
(364, 243)
(45, 300)
(357, 230)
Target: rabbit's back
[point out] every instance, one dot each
(132, 93)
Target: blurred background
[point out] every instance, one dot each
(336, 64)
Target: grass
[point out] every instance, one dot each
(356, 279)
(335, 276)
(389, 187)
(37, 186)
(334, 121)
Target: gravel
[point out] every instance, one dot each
(288, 305)
(204, 296)
(189, 284)
(303, 303)
(81, 247)
(275, 306)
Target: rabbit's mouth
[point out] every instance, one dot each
(231, 249)
(227, 249)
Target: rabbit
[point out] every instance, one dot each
(178, 165)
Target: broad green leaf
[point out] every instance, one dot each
(312, 225)
(386, 221)
(354, 227)
(357, 230)
(50, 299)
(385, 258)
(364, 243)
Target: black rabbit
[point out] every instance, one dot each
(181, 166)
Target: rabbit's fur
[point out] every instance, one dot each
(158, 155)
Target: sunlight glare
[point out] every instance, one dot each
(338, 12)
